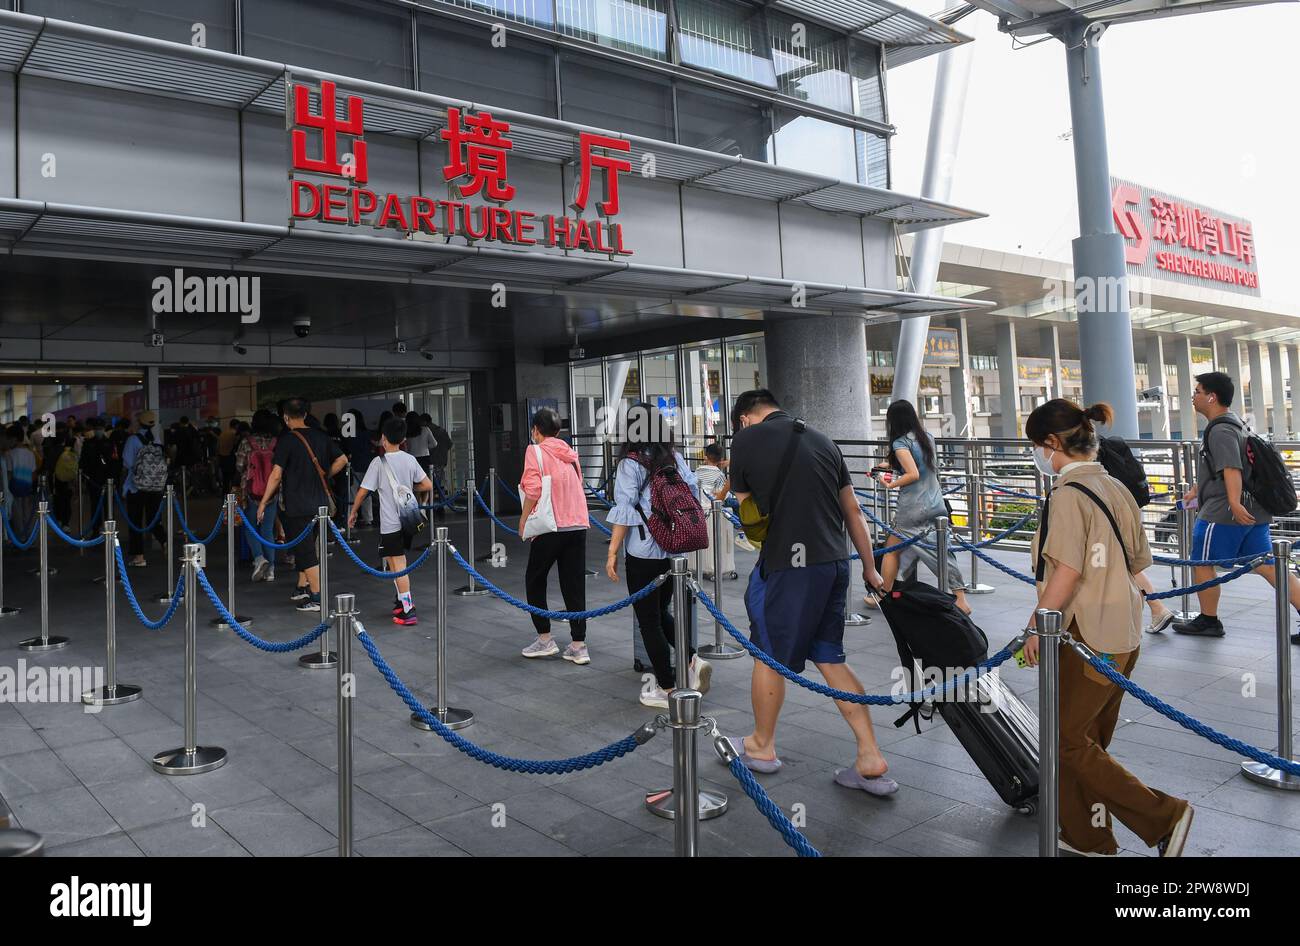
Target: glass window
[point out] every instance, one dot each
(207, 23)
(636, 26)
(717, 121)
(623, 382)
(588, 397)
(459, 60)
(359, 38)
(702, 419)
(660, 385)
(873, 158)
(746, 367)
(812, 63)
(536, 12)
(617, 99)
(868, 87)
(819, 147)
(725, 37)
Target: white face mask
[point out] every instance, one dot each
(1044, 461)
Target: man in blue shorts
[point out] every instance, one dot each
(797, 590)
(1229, 523)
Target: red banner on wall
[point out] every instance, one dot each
(195, 395)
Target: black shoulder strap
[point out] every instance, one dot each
(1040, 566)
(800, 425)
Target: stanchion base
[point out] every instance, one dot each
(8, 612)
(466, 591)
(183, 762)
(663, 804)
(161, 598)
(1263, 774)
(15, 842)
(591, 573)
(1186, 615)
(720, 651)
(979, 588)
(36, 644)
(220, 624)
(319, 661)
(451, 717)
(854, 619)
(111, 696)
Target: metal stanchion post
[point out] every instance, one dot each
(941, 576)
(470, 590)
(1048, 626)
(492, 520)
(1258, 771)
(1185, 523)
(81, 512)
(112, 692)
(185, 495)
(718, 650)
(449, 716)
(220, 622)
(975, 514)
(191, 758)
(169, 497)
(856, 618)
(43, 497)
(111, 489)
(6, 611)
(683, 720)
(345, 613)
(323, 659)
(45, 641)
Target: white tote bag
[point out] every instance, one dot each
(542, 519)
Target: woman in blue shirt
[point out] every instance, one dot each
(649, 447)
(920, 499)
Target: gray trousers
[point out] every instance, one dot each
(918, 553)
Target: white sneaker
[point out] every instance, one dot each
(701, 672)
(1068, 848)
(260, 568)
(270, 574)
(655, 697)
(745, 545)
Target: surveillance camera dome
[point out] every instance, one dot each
(240, 349)
(428, 355)
(302, 326)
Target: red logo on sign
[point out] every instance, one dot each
(330, 128)
(1129, 223)
(607, 206)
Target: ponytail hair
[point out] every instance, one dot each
(1073, 425)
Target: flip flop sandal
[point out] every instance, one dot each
(761, 766)
(879, 785)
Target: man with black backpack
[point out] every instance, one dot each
(1241, 484)
(146, 477)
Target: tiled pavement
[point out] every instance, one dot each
(83, 780)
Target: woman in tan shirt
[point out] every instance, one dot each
(1089, 546)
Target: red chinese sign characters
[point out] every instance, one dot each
(1190, 240)
(478, 147)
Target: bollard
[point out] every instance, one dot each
(323, 659)
(344, 613)
(975, 517)
(110, 489)
(941, 577)
(185, 495)
(45, 641)
(81, 512)
(112, 692)
(6, 611)
(492, 520)
(244, 620)
(190, 759)
(1258, 771)
(718, 650)
(1186, 521)
(449, 716)
(165, 596)
(683, 720)
(1048, 627)
(43, 496)
(470, 590)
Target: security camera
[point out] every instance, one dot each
(302, 326)
(1151, 394)
(399, 348)
(240, 349)
(426, 354)
(155, 339)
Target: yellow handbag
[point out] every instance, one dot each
(753, 521)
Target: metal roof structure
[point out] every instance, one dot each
(1031, 17)
(906, 35)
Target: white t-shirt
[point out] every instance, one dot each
(406, 471)
(420, 444)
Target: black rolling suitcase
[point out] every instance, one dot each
(995, 728)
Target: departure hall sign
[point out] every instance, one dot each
(1170, 238)
(324, 146)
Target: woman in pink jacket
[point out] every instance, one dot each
(567, 546)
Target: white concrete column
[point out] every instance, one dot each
(1293, 373)
(1179, 349)
(1258, 402)
(1050, 340)
(962, 419)
(1277, 416)
(1156, 379)
(1008, 381)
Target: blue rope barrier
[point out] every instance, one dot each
(1005, 569)
(446, 502)
(185, 526)
(1011, 492)
(601, 526)
(1216, 562)
(1011, 530)
(271, 647)
(510, 599)
(493, 516)
(172, 605)
(1188, 722)
(1220, 580)
(375, 572)
(508, 488)
(267, 543)
(157, 516)
(867, 699)
(768, 808)
(530, 766)
(75, 543)
(13, 539)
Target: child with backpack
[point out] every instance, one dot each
(254, 459)
(657, 512)
(397, 477)
(146, 477)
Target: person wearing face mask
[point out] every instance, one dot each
(1089, 547)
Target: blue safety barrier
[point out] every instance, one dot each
(121, 511)
(375, 572)
(75, 543)
(530, 766)
(185, 526)
(256, 536)
(492, 515)
(1216, 562)
(510, 599)
(172, 605)
(1220, 580)
(1008, 491)
(768, 808)
(444, 503)
(13, 539)
(271, 647)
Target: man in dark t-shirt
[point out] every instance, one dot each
(796, 593)
(305, 461)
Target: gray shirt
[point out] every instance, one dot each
(921, 502)
(1223, 448)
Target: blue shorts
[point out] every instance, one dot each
(797, 614)
(1215, 540)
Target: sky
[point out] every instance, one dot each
(1201, 106)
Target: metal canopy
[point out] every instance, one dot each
(72, 52)
(31, 228)
(1032, 17)
(906, 35)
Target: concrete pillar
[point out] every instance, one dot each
(1008, 381)
(962, 420)
(817, 368)
(151, 399)
(1258, 418)
(1277, 416)
(1050, 340)
(1293, 373)
(1227, 358)
(1156, 379)
(1179, 349)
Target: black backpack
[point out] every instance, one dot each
(1118, 460)
(1264, 475)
